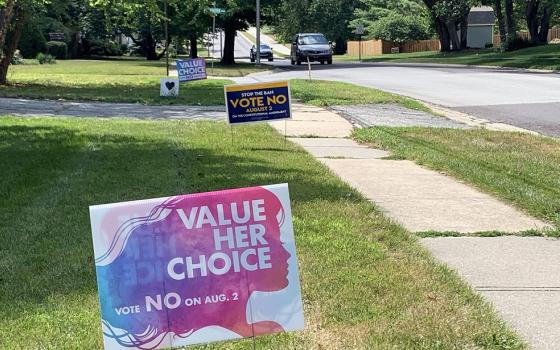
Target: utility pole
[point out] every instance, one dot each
(213, 35)
(258, 33)
(166, 39)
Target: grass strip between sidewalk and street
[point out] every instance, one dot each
(326, 93)
(367, 283)
(519, 168)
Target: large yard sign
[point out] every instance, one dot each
(258, 102)
(196, 268)
(193, 69)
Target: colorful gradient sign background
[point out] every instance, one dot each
(153, 294)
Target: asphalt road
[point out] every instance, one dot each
(242, 47)
(529, 100)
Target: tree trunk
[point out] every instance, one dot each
(10, 45)
(500, 18)
(510, 20)
(545, 27)
(229, 44)
(194, 47)
(453, 36)
(445, 41)
(340, 46)
(531, 13)
(5, 20)
(464, 24)
(538, 27)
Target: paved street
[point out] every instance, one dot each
(524, 99)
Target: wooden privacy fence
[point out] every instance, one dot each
(380, 47)
(553, 33)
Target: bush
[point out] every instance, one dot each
(32, 40)
(58, 49)
(102, 47)
(17, 59)
(45, 58)
(172, 51)
(513, 43)
(399, 29)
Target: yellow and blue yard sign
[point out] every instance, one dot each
(258, 102)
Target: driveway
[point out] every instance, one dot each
(530, 100)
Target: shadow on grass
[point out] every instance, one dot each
(52, 174)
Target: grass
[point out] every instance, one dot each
(541, 57)
(137, 81)
(520, 168)
(123, 80)
(367, 283)
(329, 93)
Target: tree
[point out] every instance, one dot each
(330, 17)
(393, 20)
(190, 22)
(237, 17)
(539, 14)
(398, 29)
(449, 17)
(141, 20)
(13, 14)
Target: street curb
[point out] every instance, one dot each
(473, 121)
(457, 65)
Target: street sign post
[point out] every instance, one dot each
(359, 31)
(258, 22)
(215, 11)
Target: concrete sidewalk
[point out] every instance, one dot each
(25, 107)
(419, 199)
(518, 275)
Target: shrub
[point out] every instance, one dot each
(45, 58)
(58, 49)
(172, 51)
(17, 59)
(398, 29)
(513, 43)
(102, 47)
(32, 40)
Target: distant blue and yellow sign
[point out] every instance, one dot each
(258, 102)
(193, 69)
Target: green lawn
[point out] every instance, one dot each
(123, 80)
(138, 81)
(542, 57)
(329, 93)
(367, 283)
(520, 168)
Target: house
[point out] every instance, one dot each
(481, 27)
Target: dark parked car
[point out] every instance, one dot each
(266, 53)
(312, 46)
